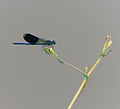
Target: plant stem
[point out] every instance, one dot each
(72, 66)
(78, 93)
(83, 84)
(86, 75)
(94, 66)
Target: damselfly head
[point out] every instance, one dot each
(53, 42)
(48, 42)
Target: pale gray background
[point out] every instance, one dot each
(30, 79)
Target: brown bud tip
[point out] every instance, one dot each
(106, 38)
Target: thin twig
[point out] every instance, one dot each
(83, 85)
(78, 93)
(105, 48)
(86, 75)
(70, 65)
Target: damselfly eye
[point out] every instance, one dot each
(53, 42)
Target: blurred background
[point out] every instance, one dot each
(30, 79)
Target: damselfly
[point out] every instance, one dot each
(34, 40)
